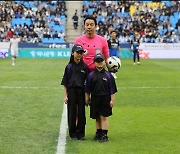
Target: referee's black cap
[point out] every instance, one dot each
(78, 48)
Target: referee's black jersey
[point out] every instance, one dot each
(100, 83)
(75, 75)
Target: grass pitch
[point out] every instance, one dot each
(145, 116)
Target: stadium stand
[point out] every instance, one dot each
(45, 21)
(31, 20)
(155, 21)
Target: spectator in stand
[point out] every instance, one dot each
(32, 34)
(10, 33)
(84, 14)
(18, 14)
(61, 34)
(95, 14)
(57, 20)
(46, 33)
(55, 35)
(3, 15)
(42, 22)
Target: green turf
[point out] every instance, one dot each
(145, 116)
(30, 117)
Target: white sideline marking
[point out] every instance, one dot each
(62, 132)
(165, 87)
(9, 87)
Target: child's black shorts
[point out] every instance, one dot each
(100, 105)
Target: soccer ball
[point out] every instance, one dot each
(113, 64)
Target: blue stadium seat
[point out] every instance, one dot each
(62, 27)
(27, 21)
(61, 40)
(63, 19)
(45, 40)
(17, 2)
(26, 3)
(160, 31)
(20, 21)
(52, 24)
(100, 18)
(167, 3)
(51, 40)
(52, 16)
(87, 3)
(56, 40)
(161, 17)
(90, 11)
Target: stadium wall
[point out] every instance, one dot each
(63, 50)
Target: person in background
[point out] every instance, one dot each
(73, 80)
(114, 47)
(75, 20)
(135, 42)
(14, 48)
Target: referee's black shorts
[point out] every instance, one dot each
(100, 106)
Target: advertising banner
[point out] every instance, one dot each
(56, 53)
(4, 46)
(4, 53)
(40, 50)
(44, 53)
(160, 50)
(44, 45)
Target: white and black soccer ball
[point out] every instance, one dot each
(113, 64)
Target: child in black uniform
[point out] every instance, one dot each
(101, 87)
(74, 92)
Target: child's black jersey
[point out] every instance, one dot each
(100, 83)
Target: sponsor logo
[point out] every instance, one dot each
(3, 54)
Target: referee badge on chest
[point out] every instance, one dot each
(98, 50)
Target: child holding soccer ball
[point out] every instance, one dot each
(101, 88)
